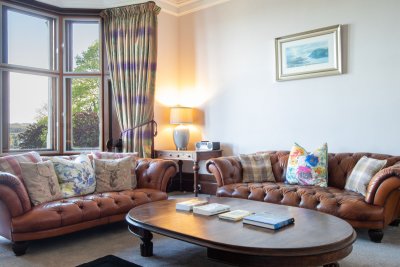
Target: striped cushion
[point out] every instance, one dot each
(11, 163)
(362, 173)
(257, 168)
(110, 155)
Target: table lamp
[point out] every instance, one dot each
(181, 116)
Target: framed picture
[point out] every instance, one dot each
(309, 54)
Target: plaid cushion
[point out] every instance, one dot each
(11, 163)
(257, 168)
(362, 173)
(111, 155)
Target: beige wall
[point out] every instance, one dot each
(167, 77)
(226, 64)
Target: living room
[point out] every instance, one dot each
(219, 58)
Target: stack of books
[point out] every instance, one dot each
(211, 209)
(189, 204)
(234, 215)
(268, 220)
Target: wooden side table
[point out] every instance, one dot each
(188, 155)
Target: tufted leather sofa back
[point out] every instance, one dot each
(340, 165)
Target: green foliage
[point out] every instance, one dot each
(85, 109)
(85, 95)
(32, 137)
(85, 129)
(89, 60)
(85, 92)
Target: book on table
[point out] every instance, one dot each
(269, 220)
(234, 215)
(210, 209)
(189, 204)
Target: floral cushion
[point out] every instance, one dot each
(257, 168)
(308, 168)
(362, 174)
(113, 175)
(41, 181)
(76, 177)
(111, 155)
(11, 163)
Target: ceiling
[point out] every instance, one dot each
(98, 4)
(173, 7)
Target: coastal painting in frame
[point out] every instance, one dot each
(309, 54)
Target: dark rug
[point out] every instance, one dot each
(109, 261)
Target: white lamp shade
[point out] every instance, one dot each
(181, 115)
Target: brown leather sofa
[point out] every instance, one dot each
(380, 207)
(20, 221)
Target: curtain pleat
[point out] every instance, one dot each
(131, 43)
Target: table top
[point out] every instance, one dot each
(312, 233)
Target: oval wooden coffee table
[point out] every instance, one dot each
(314, 239)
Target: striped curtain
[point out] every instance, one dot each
(131, 43)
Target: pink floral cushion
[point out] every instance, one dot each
(308, 168)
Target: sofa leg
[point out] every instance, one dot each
(395, 222)
(375, 235)
(19, 247)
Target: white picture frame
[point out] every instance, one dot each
(309, 54)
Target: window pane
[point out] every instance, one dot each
(82, 49)
(30, 111)
(83, 113)
(29, 40)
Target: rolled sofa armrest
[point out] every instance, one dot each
(226, 170)
(155, 173)
(13, 194)
(382, 184)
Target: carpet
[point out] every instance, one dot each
(109, 261)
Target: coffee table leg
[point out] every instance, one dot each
(334, 264)
(146, 248)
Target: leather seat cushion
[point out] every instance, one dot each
(80, 209)
(341, 203)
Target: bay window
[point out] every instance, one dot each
(51, 79)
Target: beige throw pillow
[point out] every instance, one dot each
(111, 155)
(113, 175)
(41, 181)
(362, 173)
(257, 168)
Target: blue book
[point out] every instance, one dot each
(268, 220)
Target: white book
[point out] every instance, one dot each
(189, 204)
(210, 209)
(268, 220)
(234, 215)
